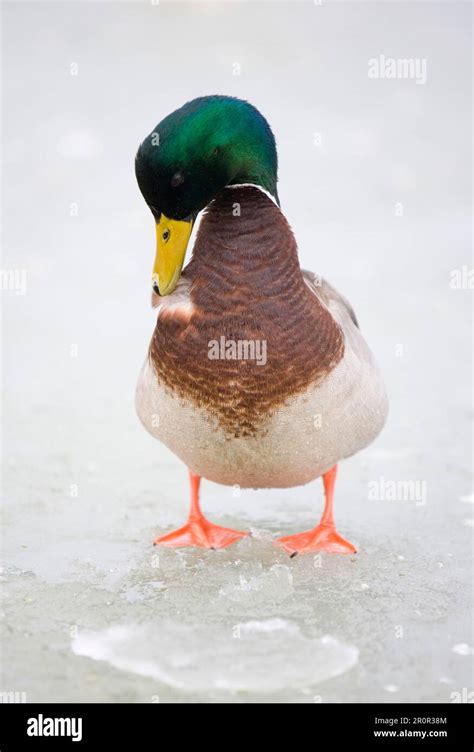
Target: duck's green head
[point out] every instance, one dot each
(194, 153)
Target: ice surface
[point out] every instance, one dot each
(90, 610)
(250, 657)
(239, 624)
(276, 583)
(463, 649)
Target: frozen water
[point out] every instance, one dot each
(252, 657)
(236, 624)
(276, 583)
(90, 610)
(463, 649)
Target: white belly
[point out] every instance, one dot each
(307, 435)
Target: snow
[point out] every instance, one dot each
(91, 611)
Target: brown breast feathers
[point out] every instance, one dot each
(256, 334)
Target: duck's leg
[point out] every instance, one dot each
(324, 536)
(198, 531)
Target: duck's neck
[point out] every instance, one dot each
(246, 286)
(244, 248)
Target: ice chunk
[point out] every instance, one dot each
(276, 583)
(255, 656)
(463, 648)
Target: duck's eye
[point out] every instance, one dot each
(166, 235)
(177, 179)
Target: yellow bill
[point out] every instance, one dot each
(172, 237)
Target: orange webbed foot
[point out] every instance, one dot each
(321, 538)
(200, 533)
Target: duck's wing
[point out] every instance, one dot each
(331, 298)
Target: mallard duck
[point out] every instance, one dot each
(257, 374)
